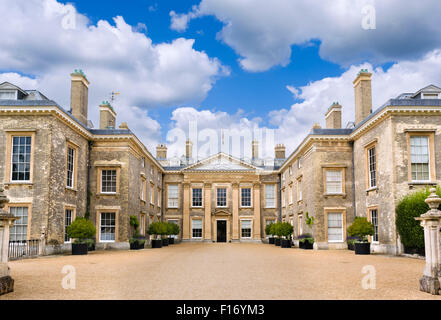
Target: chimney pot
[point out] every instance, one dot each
(107, 116)
(333, 116)
(363, 95)
(79, 95)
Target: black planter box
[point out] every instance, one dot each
(351, 246)
(301, 245)
(79, 249)
(271, 240)
(278, 242)
(362, 248)
(156, 243)
(308, 245)
(165, 242)
(136, 245)
(286, 243)
(91, 247)
(171, 240)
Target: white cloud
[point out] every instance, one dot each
(262, 32)
(48, 40)
(406, 76)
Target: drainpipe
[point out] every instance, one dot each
(279, 191)
(353, 179)
(88, 181)
(162, 196)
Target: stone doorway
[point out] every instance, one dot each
(221, 230)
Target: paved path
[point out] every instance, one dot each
(218, 271)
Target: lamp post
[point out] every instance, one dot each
(431, 222)
(6, 222)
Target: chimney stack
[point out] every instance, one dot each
(188, 149)
(333, 116)
(279, 151)
(363, 95)
(255, 149)
(79, 96)
(161, 152)
(107, 116)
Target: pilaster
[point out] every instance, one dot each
(186, 212)
(257, 211)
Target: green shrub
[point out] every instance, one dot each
(81, 230)
(410, 207)
(361, 228)
(174, 229)
(277, 229)
(286, 230)
(268, 230)
(134, 222)
(153, 229)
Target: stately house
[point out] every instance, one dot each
(55, 166)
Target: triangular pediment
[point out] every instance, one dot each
(221, 162)
(429, 89)
(9, 86)
(221, 212)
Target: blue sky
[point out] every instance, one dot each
(281, 63)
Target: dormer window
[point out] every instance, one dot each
(430, 96)
(8, 95)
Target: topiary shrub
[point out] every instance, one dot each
(81, 230)
(268, 230)
(410, 231)
(361, 228)
(286, 230)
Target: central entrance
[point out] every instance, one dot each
(221, 231)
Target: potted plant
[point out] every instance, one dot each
(286, 229)
(351, 242)
(306, 241)
(90, 244)
(154, 231)
(163, 232)
(269, 231)
(174, 231)
(361, 228)
(137, 241)
(278, 232)
(81, 230)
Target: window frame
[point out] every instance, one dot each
(300, 223)
(10, 134)
(431, 149)
(75, 148)
(73, 217)
(98, 225)
(251, 197)
(100, 182)
(274, 186)
(342, 211)
(143, 191)
(177, 196)
(251, 228)
(369, 147)
(342, 179)
(192, 197)
(27, 205)
(192, 229)
(369, 217)
(300, 189)
(226, 197)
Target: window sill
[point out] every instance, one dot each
(372, 189)
(71, 189)
(421, 183)
(107, 194)
(343, 195)
(197, 207)
(18, 184)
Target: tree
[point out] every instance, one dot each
(81, 230)
(361, 228)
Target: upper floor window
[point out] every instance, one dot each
(270, 196)
(152, 193)
(159, 197)
(299, 190)
(172, 196)
(221, 197)
(197, 197)
(372, 159)
(143, 189)
(299, 162)
(245, 199)
(143, 162)
(21, 158)
(283, 198)
(8, 95)
(419, 157)
(334, 183)
(108, 181)
(70, 167)
(290, 194)
(290, 170)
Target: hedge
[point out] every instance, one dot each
(409, 207)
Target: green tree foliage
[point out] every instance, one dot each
(81, 229)
(286, 230)
(410, 207)
(361, 228)
(268, 229)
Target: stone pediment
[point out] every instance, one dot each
(221, 162)
(221, 212)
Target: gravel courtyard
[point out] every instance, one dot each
(218, 271)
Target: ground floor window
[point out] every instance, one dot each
(300, 225)
(196, 227)
(335, 227)
(374, 221)
(142, 224)
(68, 216)
(107, 227)
(19, 232)
(245, 228)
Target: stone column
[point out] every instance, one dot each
(6, 222)
(257, 211)
(207, 205)
(431, 222)
(235, 220)
(186, 213)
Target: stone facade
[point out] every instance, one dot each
(333, 176)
